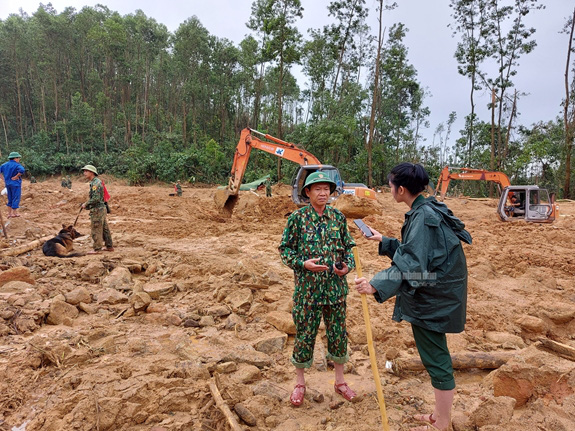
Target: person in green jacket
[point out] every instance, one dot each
(317, 245)
(428, 277)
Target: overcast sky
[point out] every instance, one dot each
(429, 40)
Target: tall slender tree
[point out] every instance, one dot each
(569, 107)
(506, 47)
(473, 27)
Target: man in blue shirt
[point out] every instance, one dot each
(12, 171)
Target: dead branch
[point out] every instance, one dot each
(563, 350)
(221, 404)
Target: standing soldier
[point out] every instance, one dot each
(318, 247)
(97, 207)
(268, 188)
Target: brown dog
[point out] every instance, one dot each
(62, 244)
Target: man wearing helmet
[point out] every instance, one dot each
(96, 205)
(318, 247)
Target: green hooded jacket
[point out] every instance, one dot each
(428, 274)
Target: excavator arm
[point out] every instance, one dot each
(277, 147)
(286, 150)
(468, 174)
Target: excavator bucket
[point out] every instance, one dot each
(225, 201)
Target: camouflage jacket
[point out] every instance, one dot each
(307, 236)
(96, 199)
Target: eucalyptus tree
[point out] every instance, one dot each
(507, 45)
(225, 87)
(191, 50)
(350, 18)
(473, 26)
(145, 40)
(250, 84)
(569, 106)
(274, 21)
(16, 51)
(401, 101)
(319, 61)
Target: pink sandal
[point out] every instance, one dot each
(345, 391)
(294, 398)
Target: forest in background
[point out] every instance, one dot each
(142, 103)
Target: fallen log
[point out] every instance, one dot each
(221, 404)
(15, 251)
(563, 350)
(461, 361)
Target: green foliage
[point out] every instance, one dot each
(123, 93)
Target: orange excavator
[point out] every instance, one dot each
(528, 203)
(469, 174)
(227, 198)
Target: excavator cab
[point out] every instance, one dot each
(301, 174)
(531, 203)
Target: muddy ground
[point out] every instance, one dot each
(130, 340)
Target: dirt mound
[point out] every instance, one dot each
(354, 207)
(133, 339)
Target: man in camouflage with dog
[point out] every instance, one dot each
(96, 205)
(317, 245)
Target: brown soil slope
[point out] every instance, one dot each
(130, 340)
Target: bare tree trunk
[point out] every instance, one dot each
(569, 124)
(280, 112)
(374, 99)
(508, 134)
(5, 132)
(66, 138)
(471, 120)
(492, 161)
(20, 119)
(44, 119)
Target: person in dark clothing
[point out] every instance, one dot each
(428, 277)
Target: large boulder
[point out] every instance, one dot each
(19, 273)
(120, 279)
(61, 313)
(15, 286)
(282, 321)
(272, 343)
(140, 301)
(240, 300)
(157, 289)
(493, 411)
(111, 297)
(535, 374)
(78, 295)
(93, 271)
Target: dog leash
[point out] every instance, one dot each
(81, 208)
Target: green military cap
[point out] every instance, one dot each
(318, 177)
(14, 155)
(90, 168)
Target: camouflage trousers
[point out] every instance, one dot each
(307, 319)
(100, 230)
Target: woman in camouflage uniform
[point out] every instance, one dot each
(318, 247)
